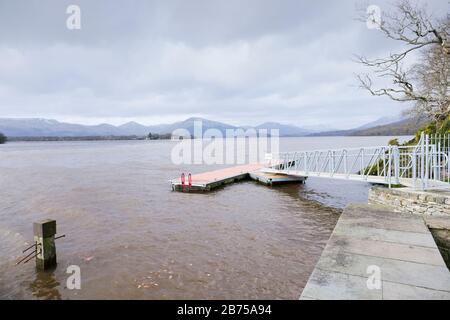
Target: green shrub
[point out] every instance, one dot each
(442, 127)
(393, 142)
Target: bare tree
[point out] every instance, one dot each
(433, 79)
(426, 82)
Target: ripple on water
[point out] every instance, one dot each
(135, 239)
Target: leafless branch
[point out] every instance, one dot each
(426, 83)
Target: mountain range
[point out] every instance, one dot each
(408, 126)
(36, 127)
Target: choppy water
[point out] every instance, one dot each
(134, 238)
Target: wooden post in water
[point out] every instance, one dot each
(44, 238)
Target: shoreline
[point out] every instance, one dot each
(144, 138)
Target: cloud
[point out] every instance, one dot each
(239, 61)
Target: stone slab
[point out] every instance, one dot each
(437, 222)
(401, 245)
(382, 218)
(378, 234)
(327, 285)
(388, 250)
(404, 272)
(396, 291)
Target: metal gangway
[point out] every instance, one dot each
(422, 166)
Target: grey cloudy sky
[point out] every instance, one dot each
(243, 62)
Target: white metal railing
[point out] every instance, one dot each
(422, 166)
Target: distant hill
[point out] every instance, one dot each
(188, 125)
(285, 130)
(44, 127)
(380, 122)
(36, 127)
(131, 128)
(403, 127)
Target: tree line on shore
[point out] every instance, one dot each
(150, 136)
(2, 138)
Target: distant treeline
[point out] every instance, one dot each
(2, 138)
(92, 138)
(157, 136)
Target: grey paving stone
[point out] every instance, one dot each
(327, 285)
(395, 291)
(374, 217)
(395, 224)
(388, 250)
(409, 273)
(377, 234)
(400, 244)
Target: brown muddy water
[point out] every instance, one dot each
(134, 238)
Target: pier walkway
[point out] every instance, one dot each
(425, 166)
(369, 237)
(422, 166)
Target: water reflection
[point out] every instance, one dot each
(116, 199)
(45, 286)
(291, 189)
(309, 197)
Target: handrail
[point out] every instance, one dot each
(426, 163)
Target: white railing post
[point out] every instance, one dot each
(397, 165)
(361, 171)
(306, 163)
(317, 162)
(448, 156)
(427, 160)
(414, 167)
(439, 160)
(332, 163)
(389, 173)
(434, 161)
(345, 161)
(422, 160)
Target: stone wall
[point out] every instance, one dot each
(435, 203)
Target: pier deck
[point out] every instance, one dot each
(271, 179)
(208, 181)
(399, 244)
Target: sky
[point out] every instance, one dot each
(241, 62)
